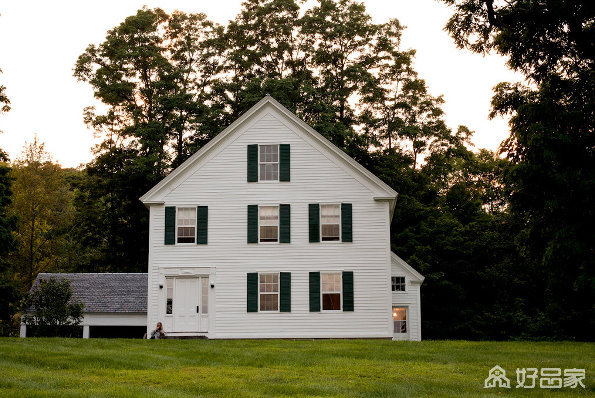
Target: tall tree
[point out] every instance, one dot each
(8, 290)
(154, 72)
(550, 145)
(43, 203)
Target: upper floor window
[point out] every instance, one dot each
(268, 221)
(330, 222)
(268, 292)
(330, 288)
(268, 162)
(186, 223)
(398, 283)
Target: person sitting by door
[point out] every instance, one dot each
(158, 333)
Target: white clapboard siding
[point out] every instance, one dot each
(410, 299)
(219, 182)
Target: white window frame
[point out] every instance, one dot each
(178, 226)
(394, 306)
(404, 283)
(278, 224)
(340, 222)
(270, 293)
(340, 273)
(278, 163)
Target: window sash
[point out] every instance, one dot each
(331, 289)
(398, 283)
(268, 223)
(268, 292)
(399, 320)
(268, 162)
(330, 222)
(186, 224)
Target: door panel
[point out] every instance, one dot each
(186, 304)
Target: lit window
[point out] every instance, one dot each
(400, 320)
(186, 225)
(398, 283)
(269, 162)
(269, 223)
(169, 300)
(331, 290)
(330, 222)
(268, 287)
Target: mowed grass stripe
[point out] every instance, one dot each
(351, 368)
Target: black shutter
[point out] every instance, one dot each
(252, 292)
(347, 290)
(314, 291)
(252, 163)
(314, 217)
(202, 225)
(284, 162)
(285, 291)
(252, 224)
(284, 223)
(346, 222)
(170, 225)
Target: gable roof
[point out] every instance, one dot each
(398, 261)
(105, 292)
(384, 192)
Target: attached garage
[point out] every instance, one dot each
(115, 303)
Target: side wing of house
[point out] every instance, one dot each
(406, 300)
(294, 245)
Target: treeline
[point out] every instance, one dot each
(487, 236)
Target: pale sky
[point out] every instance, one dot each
(41, 40)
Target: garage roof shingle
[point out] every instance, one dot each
(105, 292)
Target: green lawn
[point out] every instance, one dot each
(188, 368)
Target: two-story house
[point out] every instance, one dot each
(270, 231)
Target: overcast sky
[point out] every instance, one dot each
(41, 40)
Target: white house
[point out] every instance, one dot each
(270, 231)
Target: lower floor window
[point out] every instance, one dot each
(400, 319)
(331, 291)
(268, 287)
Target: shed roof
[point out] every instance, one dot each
(105, 292)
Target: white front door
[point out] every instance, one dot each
(187, 304)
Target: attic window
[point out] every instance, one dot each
(268, 162)
(186, 224)
(398, 283)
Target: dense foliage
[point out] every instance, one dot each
(51, 310)
(502, 239)
(552, 173)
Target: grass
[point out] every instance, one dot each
(47, 367)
